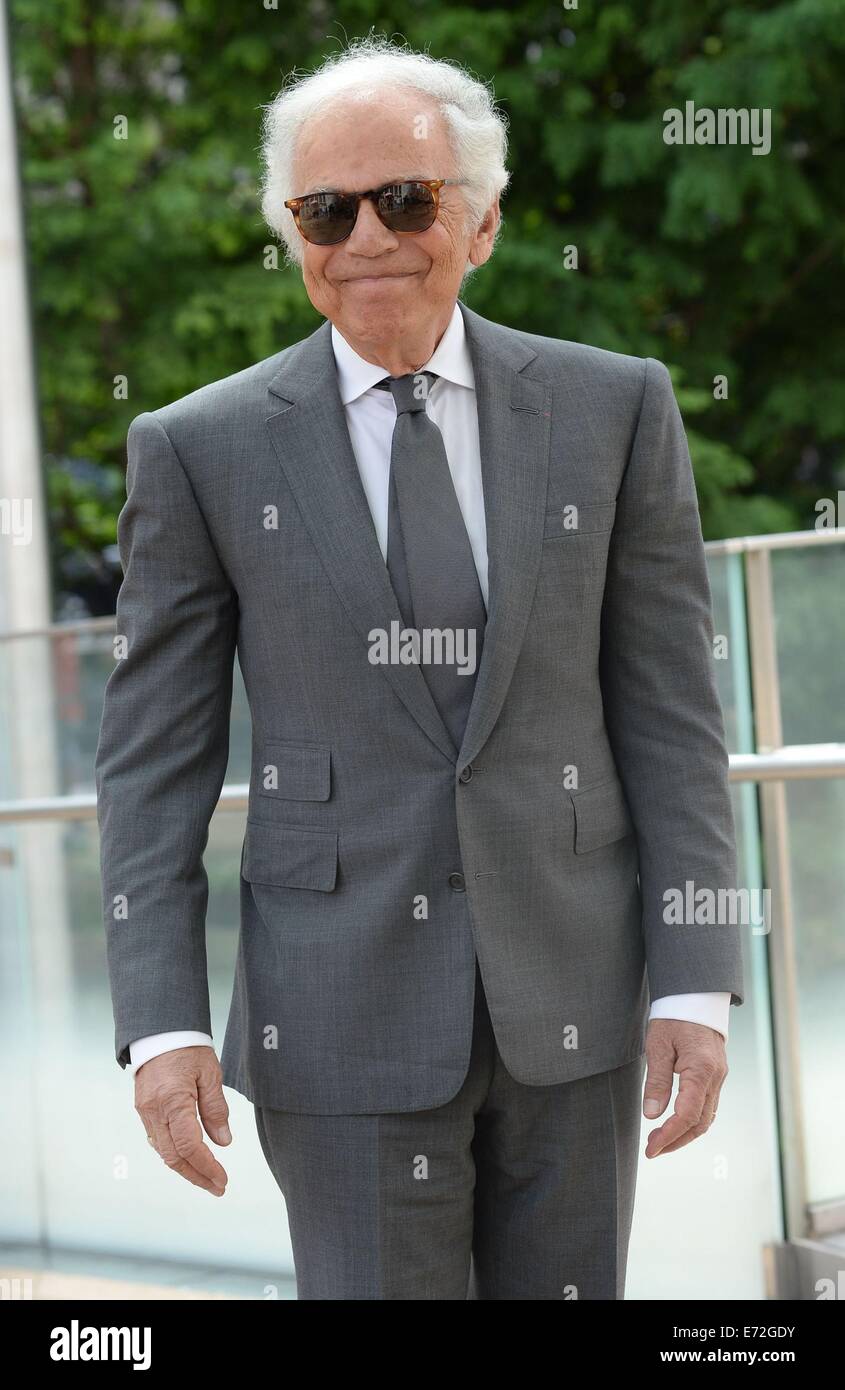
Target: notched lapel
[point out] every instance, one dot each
(514, 425)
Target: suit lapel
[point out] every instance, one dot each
(514, 420)
(311, 439)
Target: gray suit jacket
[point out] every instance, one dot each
(378, 859)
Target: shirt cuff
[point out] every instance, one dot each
(155, 1043)
(711, 1009)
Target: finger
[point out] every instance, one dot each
(708, 1114)
(187, 1142)
(696, 1131)
(720, 1081)
(689, 1107)
(156, 1125)
(212, 1107)
(163, 1145)
(660, 1078)
(687, 1138)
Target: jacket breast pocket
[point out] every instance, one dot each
(287, 856)
(571, 522)
(295, 771)
(601, 815)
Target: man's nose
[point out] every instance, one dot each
(369, 234)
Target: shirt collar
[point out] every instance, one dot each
(450, 360)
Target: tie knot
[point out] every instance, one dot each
(409, 392)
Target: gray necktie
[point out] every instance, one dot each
(429, 557)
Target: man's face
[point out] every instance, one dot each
(380, 286)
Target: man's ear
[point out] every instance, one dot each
(482, 243)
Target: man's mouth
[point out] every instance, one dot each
(377, 279)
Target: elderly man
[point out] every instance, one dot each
(463, 571)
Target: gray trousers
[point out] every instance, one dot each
(506, 1192)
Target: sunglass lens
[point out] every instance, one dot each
(325, 218)
(407, 207)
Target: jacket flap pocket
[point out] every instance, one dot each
(580, 521)
(296, 771)
(601, 815)
(289, 856)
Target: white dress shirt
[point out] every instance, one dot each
(370, 417)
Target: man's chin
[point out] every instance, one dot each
(377, 312)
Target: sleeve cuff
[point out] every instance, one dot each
(155, 1043)
(711, 1009)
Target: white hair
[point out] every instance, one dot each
(477, 132)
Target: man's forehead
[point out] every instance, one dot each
(334, 156)
(351, 186)
(415, 123)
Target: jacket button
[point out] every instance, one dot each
(457, 884)
(466, 775)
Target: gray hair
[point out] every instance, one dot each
(477, 131)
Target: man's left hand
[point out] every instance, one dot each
(697, 1054)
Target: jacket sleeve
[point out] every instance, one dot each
(163, 745)
(662, 709)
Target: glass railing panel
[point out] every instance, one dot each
(100, 1185)
(20, 1166)
(809, 602)
(719, 1196)
(816, 817)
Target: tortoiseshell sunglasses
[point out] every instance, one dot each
(327, 218)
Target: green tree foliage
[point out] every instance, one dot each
(148, 253)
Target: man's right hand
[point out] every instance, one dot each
(169, 1090)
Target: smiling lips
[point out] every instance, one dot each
(371, 279)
